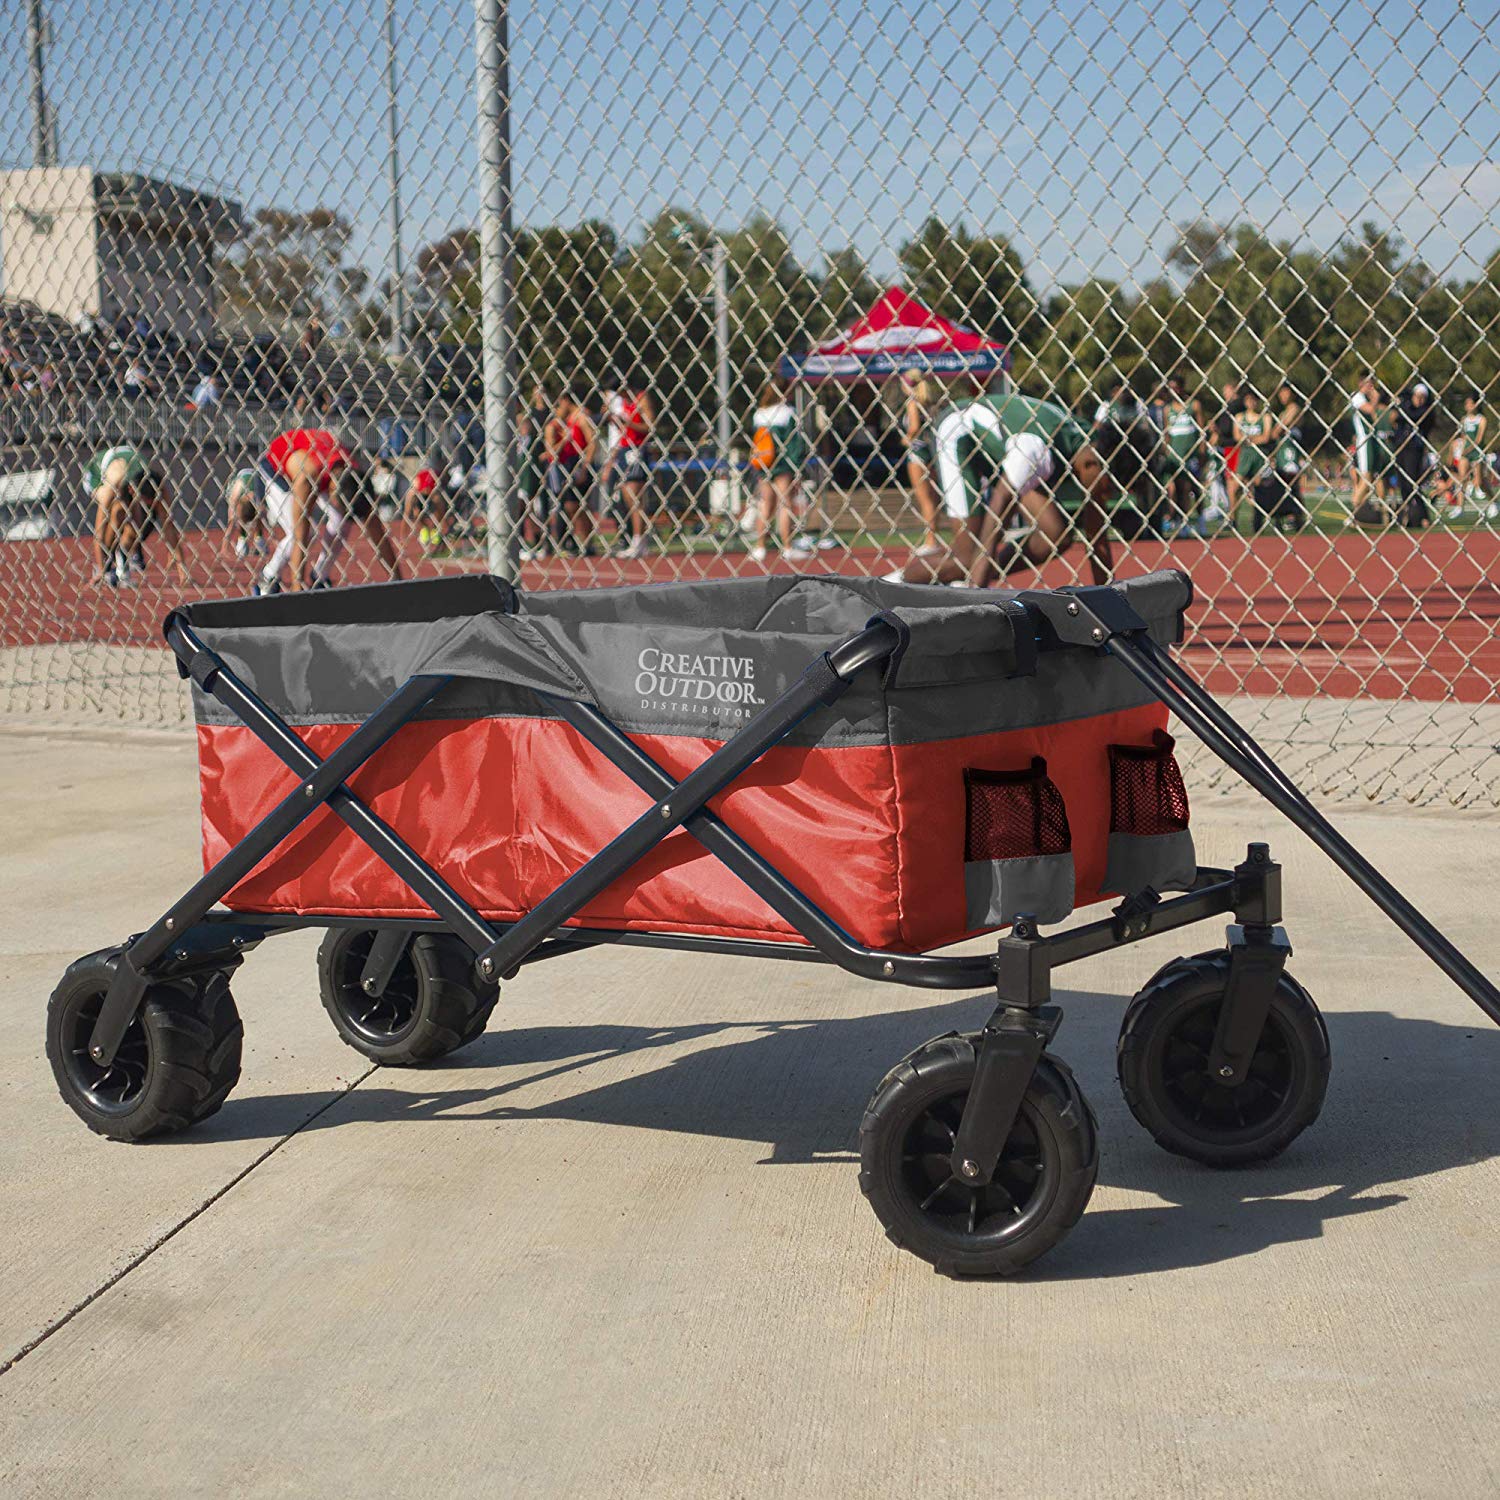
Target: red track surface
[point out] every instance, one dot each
(1398, 616)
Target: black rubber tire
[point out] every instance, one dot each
(432, 1006)
(176, 1065)
(1162, 1060)
(1052, 1156)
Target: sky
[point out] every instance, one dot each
(1082, 132)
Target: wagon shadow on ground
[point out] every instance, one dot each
(1409, 1099)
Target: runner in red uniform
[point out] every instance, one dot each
(636, 416)
(310, 468)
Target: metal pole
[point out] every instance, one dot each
(43, 137)
(721, 345)
(393, 168)
(496, 261)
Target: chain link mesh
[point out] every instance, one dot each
(767, 261)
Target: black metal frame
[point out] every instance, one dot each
(191, 936)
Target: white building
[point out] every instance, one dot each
(108, 246)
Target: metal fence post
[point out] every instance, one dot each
(721, 346)
(496, 262)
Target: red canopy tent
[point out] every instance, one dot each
(898, 334)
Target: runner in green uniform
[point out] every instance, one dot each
(1469, 462)
(1003, 453)
(779, 453)
(245, 496)
(1184, 449)
(130, 502)
(1252, 432)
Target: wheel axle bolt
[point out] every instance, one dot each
(96, 1053)
(969, 1168)
(1226, 1072)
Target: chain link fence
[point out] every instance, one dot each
(776, 278)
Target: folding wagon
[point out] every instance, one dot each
(820, 769)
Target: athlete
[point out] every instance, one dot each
(1469, 450)
(130, 502)
(635, 416)
(779, 454)
(1182, 427)
(1252, 436)
(1004, 454)
(308, 470)
(245, 496)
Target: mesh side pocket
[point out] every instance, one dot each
(1014, 814)
(1146, 791)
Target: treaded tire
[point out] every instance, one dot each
(1042, 1185)
(1162, 1060)
(432, 1005)
(176, 1065)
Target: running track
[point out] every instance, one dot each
(1348, 616)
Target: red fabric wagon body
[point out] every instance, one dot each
(944, 793)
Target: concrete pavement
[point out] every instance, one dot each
(617, 1247)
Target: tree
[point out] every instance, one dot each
(287, 265)
(973, 279)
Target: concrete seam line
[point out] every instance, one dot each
(139, 1259)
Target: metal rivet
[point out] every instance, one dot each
(1097, 633)
(308, 790)
(369, 986)
(666, 810)
(487, 966)
(969, 1168)
(1226, 1072)
(1073, 608)
(170, 924)
(887, 968)
(96, 1052)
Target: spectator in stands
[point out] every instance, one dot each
(921, 393)
(46, 379)
(206, 392)
(312, 338)
(135, 381)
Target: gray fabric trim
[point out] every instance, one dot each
(697, 659)
(997, 891)
(1164, 861)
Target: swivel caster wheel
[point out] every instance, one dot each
(431, 1006)
(1040, 1187)
(1163, 1053)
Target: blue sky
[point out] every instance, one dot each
(1082, 132)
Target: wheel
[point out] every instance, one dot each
(1162, 1058)
(176, 1065)
(1041, 1185)
(431, 1007)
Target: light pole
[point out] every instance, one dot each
(718, 260)
(43, 127)
(393, 168)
